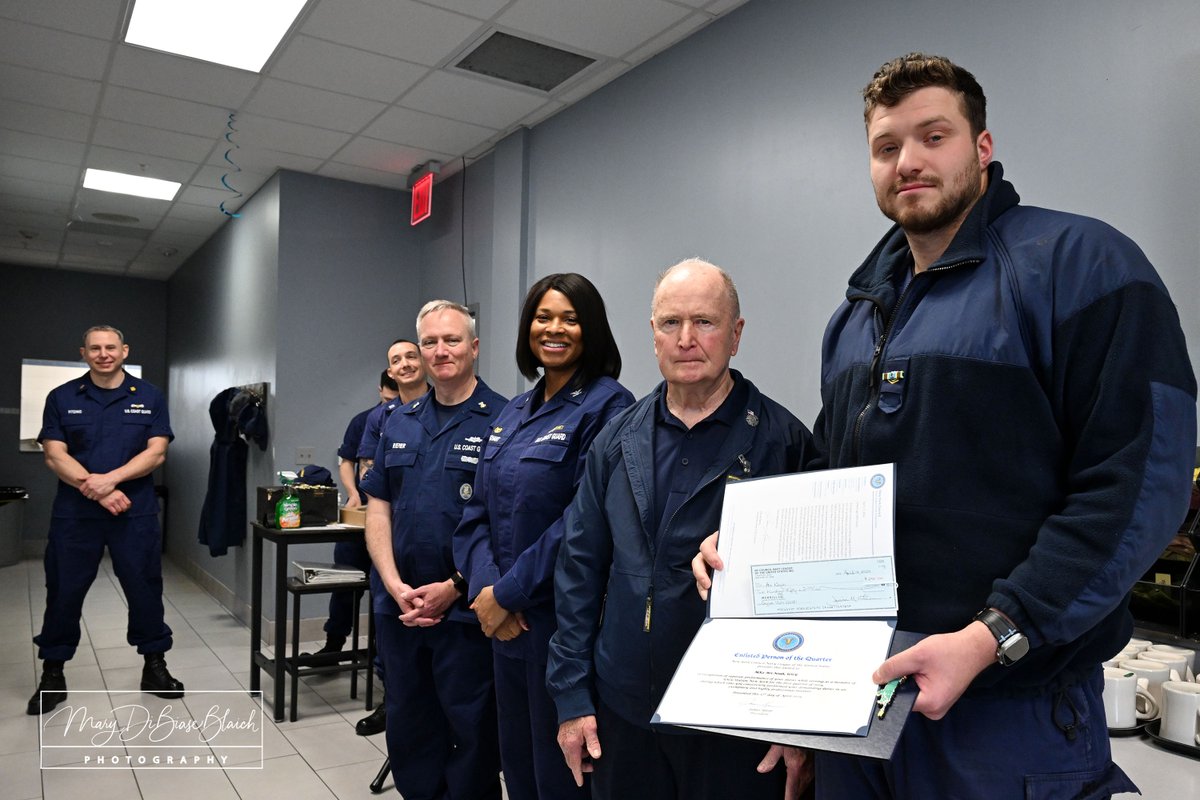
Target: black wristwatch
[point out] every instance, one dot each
(460, 583)
(1011, 644)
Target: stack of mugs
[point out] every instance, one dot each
(1147, 680)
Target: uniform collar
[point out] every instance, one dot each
(874, 279)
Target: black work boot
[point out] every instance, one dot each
(333, 644)
(156, 679)
(51, 690)
(373, 723)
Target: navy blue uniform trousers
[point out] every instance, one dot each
(534, 768)
(441, 710)
(991, 747)
(73, 556)
(644, 764)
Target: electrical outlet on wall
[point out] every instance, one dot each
(304, 455)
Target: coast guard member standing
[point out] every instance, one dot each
(103, 434)
(440, 697)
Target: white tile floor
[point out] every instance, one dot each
(318, 756)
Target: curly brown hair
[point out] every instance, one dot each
(900, 77)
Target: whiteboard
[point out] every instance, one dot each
(38, 379)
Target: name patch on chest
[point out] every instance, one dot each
(138, 410)
(399, 445)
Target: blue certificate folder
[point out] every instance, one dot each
(880, 741)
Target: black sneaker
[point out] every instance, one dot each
(52, 690)
(156, 679)
(373, 723)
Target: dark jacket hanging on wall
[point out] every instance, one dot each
(233, 412)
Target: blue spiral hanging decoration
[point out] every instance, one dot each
(225, 178)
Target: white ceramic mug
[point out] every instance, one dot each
(1156, 650)
(1179, 663)
(1180, 712)
(1126, 702)
(1155, 673)
(1138, 644)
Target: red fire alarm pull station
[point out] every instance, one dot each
(422, 198)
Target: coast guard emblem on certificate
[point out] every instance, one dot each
(787, 642)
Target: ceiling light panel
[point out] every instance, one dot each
(230, 32)
(137, 185)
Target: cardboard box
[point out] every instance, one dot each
(353, 516)
(318, 505)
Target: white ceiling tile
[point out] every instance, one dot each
(385, 156)
(100, 18)
(289, 137)
(207, 200)
(28, 258)
(199, 212)
(373, 177)
(327, 65)
(129, 162)
(244, 181)
(471, 100)
(180, 241)
(416, 128)
(44, 121)
(168, 113)
(126, 136)
(176, 224)
(480, 9)
(268, 161)
(309, 106)
(664, 40)
(45, 148)
(48, 89)
(606, 75)
(101, 265)
(107, 246)
(723, 6)
(16, 220)
(184, 78)
(31, 237)
(34, 170)
(53, 51)
(20, 187)
(147, 210)
(398, 28)
(613, 27)
(33, 205)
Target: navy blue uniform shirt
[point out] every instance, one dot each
(426, 472)
(103, 430)
(510, 532)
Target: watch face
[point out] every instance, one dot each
(1013, 648)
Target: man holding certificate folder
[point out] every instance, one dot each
(1026, 372)
(651, 491)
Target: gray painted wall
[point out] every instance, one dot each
(305, 291)
(744, 144)
(44, 317)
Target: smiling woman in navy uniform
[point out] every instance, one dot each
(440, 700)
(508, 540)
(103, 435)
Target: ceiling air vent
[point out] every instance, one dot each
(521, 61)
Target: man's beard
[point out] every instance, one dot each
(950, 208)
